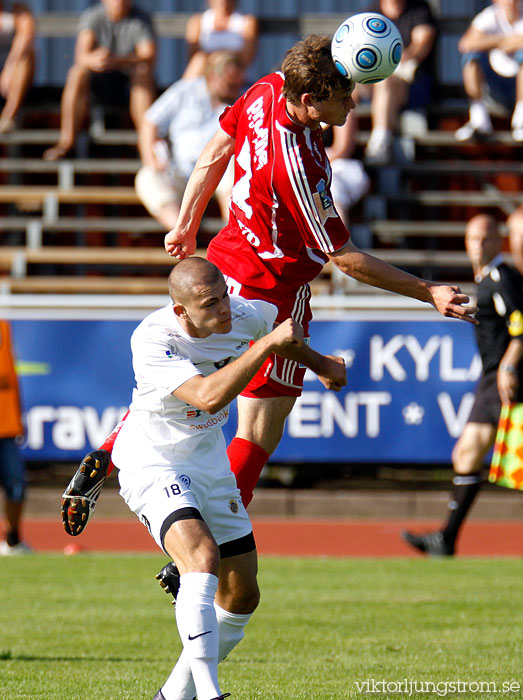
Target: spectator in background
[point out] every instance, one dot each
(411, 82)
(492, 49)
(176, 128)
(17, 58)
(349, 182)
(220, 28)
(114, 56)
(515, 232)
(12, 470)
(499, 335)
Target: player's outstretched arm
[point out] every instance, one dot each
(180, 243)
(214, 392)
(330, 369)
(447, 299)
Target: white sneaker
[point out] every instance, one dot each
(15, 550)
(468, 132)
(517, 122)
(378, 151)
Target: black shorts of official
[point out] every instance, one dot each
(242, 545)
(487, 404)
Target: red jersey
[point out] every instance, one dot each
(282, 220)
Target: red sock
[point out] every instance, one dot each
(109, 442)
(247, 460)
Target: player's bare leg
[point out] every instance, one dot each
(73, 111)
(260, 429)
(387, 99)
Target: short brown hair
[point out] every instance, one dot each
(308, 67)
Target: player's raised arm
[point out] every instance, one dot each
(213, 392)
(447, 299)
(207, 173)
(330, 369)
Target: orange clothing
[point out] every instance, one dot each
(10, 410)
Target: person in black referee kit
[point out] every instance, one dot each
(499, 335)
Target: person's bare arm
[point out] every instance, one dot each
(507, 376)
(212, 393)
(145, 52)
(421, 42)
(207, 173)
(250, 36)
(513, 43)
(330, 369)
(343, 139)
(88, 55)
(475, 40)
(192, 34)
(147, 136)
(447, 299)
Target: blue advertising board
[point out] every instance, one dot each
(409, 393)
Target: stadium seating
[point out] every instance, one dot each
(65, 225)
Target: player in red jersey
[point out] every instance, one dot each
(282, 229)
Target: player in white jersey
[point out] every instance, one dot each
(190, 359)
(282, 230)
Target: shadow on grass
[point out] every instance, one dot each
(8, 656)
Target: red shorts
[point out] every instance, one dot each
(277, 376)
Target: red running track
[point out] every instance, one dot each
(291, 537)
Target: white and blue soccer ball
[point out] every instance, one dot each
(367, 47)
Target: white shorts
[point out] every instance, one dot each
(156, 189)
(159, 493)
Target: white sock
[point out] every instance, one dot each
(479, 116)
(198, 628)
(517, 116)
(232, 629)
(180, 685)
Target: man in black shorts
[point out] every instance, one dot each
(499, 336)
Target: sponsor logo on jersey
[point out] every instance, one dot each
(323, 201)
(260, 141)
(233, 505)
(515, 327)
(212, 421)
(172, 352)
(221, 363)
(186, 480)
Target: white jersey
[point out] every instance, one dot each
(162, 428)
(493, 20)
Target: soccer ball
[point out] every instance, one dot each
(367, 47)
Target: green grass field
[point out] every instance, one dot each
(98, 627)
